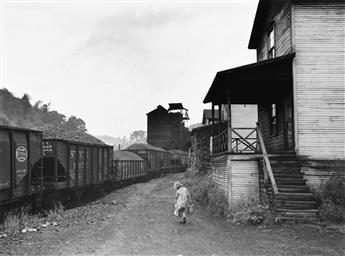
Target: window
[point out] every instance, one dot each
(271, 43)
(273, 120)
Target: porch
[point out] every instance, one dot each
(259, 162)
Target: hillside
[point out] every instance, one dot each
(19, 112)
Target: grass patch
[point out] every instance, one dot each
(17, 220)
(206, 193)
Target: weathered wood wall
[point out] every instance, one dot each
(244, 116)
(220, 172)
(280, 13)
(319, 71)
(237, 176)
(244, 179)
(273, 143)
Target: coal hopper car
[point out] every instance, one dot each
(74, 161)
(128, 166)
(157, 159)
(20, 164)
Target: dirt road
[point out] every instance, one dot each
(142, 223)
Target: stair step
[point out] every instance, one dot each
(297, 214)
(289, 175)
(287, 181)
(297, 205)
(295, 196)
(291, 189)
(311, 213)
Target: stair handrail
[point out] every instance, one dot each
(267, 166)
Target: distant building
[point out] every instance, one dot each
(166, 128)
(207, 117)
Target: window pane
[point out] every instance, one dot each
(271, 38)
(274, 112)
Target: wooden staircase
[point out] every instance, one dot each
(294, 200)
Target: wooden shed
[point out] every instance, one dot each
(298, 86)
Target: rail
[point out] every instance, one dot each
(268, 173)
(243, 140)
(220, 142)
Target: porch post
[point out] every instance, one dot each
(229, 126)
(213, 119)
(220, 117)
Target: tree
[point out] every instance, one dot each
(138, 136)
(75, 124)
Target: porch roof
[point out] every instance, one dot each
(253, 83)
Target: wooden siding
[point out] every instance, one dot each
(237, 176)
(244, 116)
(280, 14)
(316, 173)
(220, 172)
(274, 144)
(319, 70)
(244, 182)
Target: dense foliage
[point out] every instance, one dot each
(19, 112)
(332, 199)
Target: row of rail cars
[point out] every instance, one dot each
(37, 163)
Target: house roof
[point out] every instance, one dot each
(121, 155)
(260, 21)
(159, 108)
(175, 106)
(253, 83)
(208, 114)
(201, 128)
(142, 146)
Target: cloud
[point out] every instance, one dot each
(112, 63)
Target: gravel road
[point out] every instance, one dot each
(142, 223)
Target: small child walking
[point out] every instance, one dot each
(183, 201)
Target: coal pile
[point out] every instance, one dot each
(4, 122)
(49, 132)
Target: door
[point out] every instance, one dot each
(288, 124)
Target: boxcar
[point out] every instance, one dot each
(20, 163)
(74, 160)
(128, 166)
(157, 158)
(178, 157)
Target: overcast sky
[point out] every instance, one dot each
(111, 62)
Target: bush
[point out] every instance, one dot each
(248, 210)
(332, 199)
(204, 191)
(16, 221)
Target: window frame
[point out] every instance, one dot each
(273, 119)
(271, 42)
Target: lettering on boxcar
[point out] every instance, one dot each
(4, 184)
(21, 153)
(47, 147)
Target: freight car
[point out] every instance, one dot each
(128, 166)
(42, 165)
(157, 159)
(20, 164)
(73, 162)
(178, 160)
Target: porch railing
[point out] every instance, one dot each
(246, 140)
(220, 142)
(243, 140)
